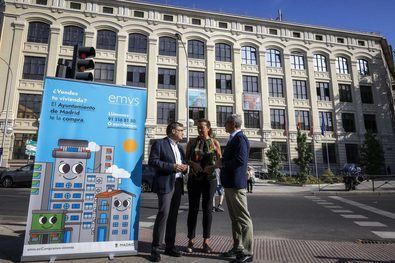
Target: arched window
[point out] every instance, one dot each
(137, 43)
(38, 32)
(196, 49)
(273, 58)
(223, 52)
(106, 39)
(73, 35)
(342, 65)
(297, 61)
(167, 46)
(363, 67)
(248, 55)
(320, 63)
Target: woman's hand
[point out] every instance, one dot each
(209, 169)
(195, 167)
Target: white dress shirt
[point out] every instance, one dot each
(177, 155)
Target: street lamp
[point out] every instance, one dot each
(6, 129)
(178, 36)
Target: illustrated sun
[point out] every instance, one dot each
(129, 145)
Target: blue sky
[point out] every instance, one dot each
(357, 15)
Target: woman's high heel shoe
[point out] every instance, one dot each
(207, 249)
(190, 246)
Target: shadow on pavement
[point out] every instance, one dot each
(11, 246)
(348, 260)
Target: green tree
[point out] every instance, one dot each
(275, 161)
(372, 155)
(305, 157)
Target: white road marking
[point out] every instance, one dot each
(146, 224)
(333, 206)
(369, 223)
(325, 203)
(152, 217)
(384, 234)
(365, 207)
(354, 216)
(341, 211)
(313, 197)
(184, 207)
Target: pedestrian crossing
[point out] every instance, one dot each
(361, 219)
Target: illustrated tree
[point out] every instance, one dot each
(372, 155)
(275, 161)
(305, 157)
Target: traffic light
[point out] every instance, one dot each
(81, 63)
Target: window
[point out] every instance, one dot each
(166, 78)
(302, 119)
(319, 62)
(319, 37)
(75, 206)
(196, 49)
(283, 147)
(223, 52)
(167, 46)
(222, 113)
(255, 154)
(273, 31)
(248, 28)
(222, 25)
(168, 18)
(370, 122)
(139, 14)
(340, 40)
(366, 94)
(327, 118)
(250, 84)
(106, 39)
(323, 91)
(108, 10)
(196, 113)
(248, 55)
(348, 122)
(363, 67)
(196, 21)
(296, 34)
(300, 89)
(361, 43)
(273, 58)
(41, 2)
(297, 61)
(29, 106)
(166, 112)
(331, 152)
(196, 80)
(251, 119)
(104, 72)
(74, 5)
(345, 93)
(57, 206)
(57, 195)
(137, 43)
(18, 151)
(223, 83)
(277, 118)
(73, 35)
(276, 87)
(352, 153)
(342, 65)
(135, 76)
(33, 68)
(38, 32)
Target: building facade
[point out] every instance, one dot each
(277, 75)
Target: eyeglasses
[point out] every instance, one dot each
(180, 130)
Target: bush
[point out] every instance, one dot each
(288, 180)
(329, 178)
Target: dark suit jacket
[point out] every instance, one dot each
(162, 159)
(235, 161)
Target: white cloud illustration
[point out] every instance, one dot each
(93, 147)
(118, 172)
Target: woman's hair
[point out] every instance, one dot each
(210, 131)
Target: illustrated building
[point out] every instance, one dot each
(47, 227)
(275, 74)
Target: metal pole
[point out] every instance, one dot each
(289, 149)
(178, 36)
(327, 155)
(8, 105)
(315, 163)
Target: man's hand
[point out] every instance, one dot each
(179, 168)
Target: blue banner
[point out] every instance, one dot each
(87, 172)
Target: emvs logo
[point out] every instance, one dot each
(123, 100)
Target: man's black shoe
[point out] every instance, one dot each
(173, 252)
(155, 256)
(241, 258)
(231, 253)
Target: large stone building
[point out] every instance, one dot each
(274, 73)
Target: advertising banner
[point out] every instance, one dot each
(197, 98)
(252, 101)
(87, 172)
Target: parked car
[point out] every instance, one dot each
(147, 178)
(20, 176)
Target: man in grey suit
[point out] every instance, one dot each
(168, 159)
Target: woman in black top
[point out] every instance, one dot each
(202, 153)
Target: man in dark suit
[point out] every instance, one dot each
(234, 179)
(168, 159)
